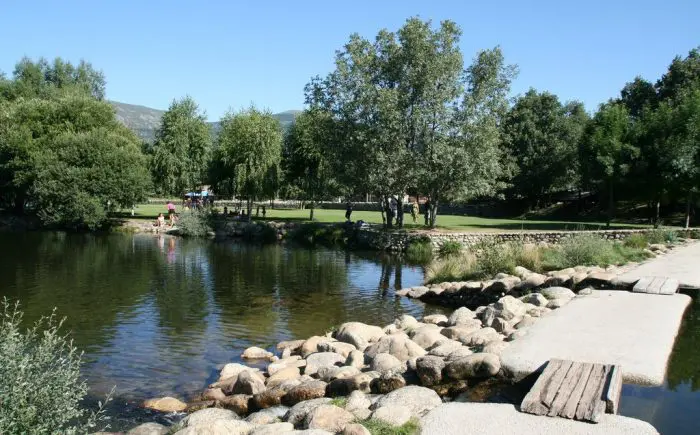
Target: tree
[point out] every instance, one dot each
(305, 162)
(542, 135)
(682, 74)
(181, 151)
(249, 148)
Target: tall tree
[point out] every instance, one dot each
(249, 152)
(682, 74)
(181, 151)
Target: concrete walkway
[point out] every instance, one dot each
(681, 263)
(633, 330)
(497, 419)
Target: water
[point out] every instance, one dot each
(159, 315)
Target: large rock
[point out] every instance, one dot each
(461, 315)
(454, 332)
(292, 361)
(357, 400)
(343, 387)
(495, 347)
(256, 353)
(553, 304)
(395, 415)
(355, 429)
(406, 321)
(533, 281)
(221, 426)
(478, 365)
(273, 429)
(248, 383)
(328, 417)
(356, 359)
(504, 284)
(298, 412)
(436, 319)
(557, 293)
(525, 322)
(306, 391)
(426, 337)
(165, 404)
(282, 375)
(429, 369)
(419, 400)
(293, 345)
(358, 334)
(263, 417)
(445, 348)
(338, 347)
(322, 359)
(387, 383)
(480, 337)
(269, 398)
(233, 369)
(311, 345)
(459, 353)
(209, 415)
(535, 299)
(238, 403)
(148, 429)
(509, 307)
(397, 345)
(328, 374)
(385, 362)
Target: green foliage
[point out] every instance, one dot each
(636, 241)
(493, 258)
(339, 401)
(453, 268)
(194, 224)
(379, 427)
(590, 250)
(181, 151)
(311, 234)
(40, 385)
(450, 248)
(662, 235)
(419, 251)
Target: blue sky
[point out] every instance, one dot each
(228, 54)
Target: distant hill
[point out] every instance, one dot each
(144, 121)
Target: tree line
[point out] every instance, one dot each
(399, 114)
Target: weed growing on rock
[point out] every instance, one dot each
(379, 427)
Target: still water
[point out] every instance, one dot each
(158, 316)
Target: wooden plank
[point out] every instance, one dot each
(532, 403)
(669, 287)
(566, 388)
(554, 382)
(592, 395)
(613, 391)
(642, 284)
(569, 410)
(656, 284)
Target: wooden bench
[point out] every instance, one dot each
(658, 285)
(575, 390)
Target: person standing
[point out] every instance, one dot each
(393, 206)
(427, 212)
(171, 212)
(348, 210)
(415, 211)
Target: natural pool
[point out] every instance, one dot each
(158, 315)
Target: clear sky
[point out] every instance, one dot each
(231, 53)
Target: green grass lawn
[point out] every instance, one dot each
(445, 222)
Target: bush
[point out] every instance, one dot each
(494, 257)
(194, 224)
(528, 256)
(453, 268)
(450, 247)
(419, 251)
(40, 385)
(662, 235)
(636, 241)
(590, 250)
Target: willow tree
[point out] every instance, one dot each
(249, 152)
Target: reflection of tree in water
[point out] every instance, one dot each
(684, 365)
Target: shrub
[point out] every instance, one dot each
(528, 256)
(379, 427)
(636, 241)
(494, 257)
(194, 224)
(453, 268)
(419, 251)
(590, 250)
(692, 234)
(450, 247)
(40, 385)
(662, 235)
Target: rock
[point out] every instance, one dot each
(517, 334)
(387, 383)
(395, 415)
(397, 345)
(355, 359)
(273, 429)
(238, 403)
(461, 315)
(328, 417)
(248, 383)
(355, 429)
(328, 374)
(282, 375)
(509, 307)
(479, 365)
(357, 400)
(558, 279)
(533, 281)
(305, 391)
(427, 337)
(213, 394)
(359, 334)
(578, 278)
(298, 412)
(262, 417)
(338, 347)
(553, 304)
(269, 398)
(206, 416)
(500, 324)
(294, 345)
(417, 292)
(535, 299)
(385, 362)
(454, 332)
(322, 359)
(286, 352)
(343, 387)
(480, 337)
(222, 426)
(390, 329)
(488, 316)
(148, 429)
(311, 345)
(504, 284)
(599, 279)
(495, 347)
(406, 322)
(521, 272)
(459, 353)
(200, 404)
(429, 369)
(445, 348)
(292, 361)
(525, 322)
(291, 383)
(436, 319)
(165, 404)
(256, 353)
(233, 369)
(419, 400)
(557, 293)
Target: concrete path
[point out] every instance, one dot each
(497, 419)
(681, 263)
(633, 330)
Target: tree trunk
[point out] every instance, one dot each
(687, 210)
(433, 213)
(611, 204)
(382, 211)
(657, 213)
(389, 214)
(250, 209)
(20, 199)
(311, 212)
(399, 212)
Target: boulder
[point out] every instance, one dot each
(429, 369)
(209, 415)
(417, 292)
(454, 332)
(355, 429)
(292, 361)
(426, 337)
(165, 404)
(357, 400)
(263, 417)
(397, 345)
(387, 383)
(509, 307)
(436, 319)
(306, 391)
(282, 375)
(533, 281)
(311, 345)
(557, 293)
(233, 369)
(517, 334)
(356, 359)
(222, 426)
(269, 398)
(200, 404)
(358, 334)
(478, 365)
(558, 279)
(338, 347)
(328, 417)
(395, 415)
(390, 329)
(328, 374)
(525, 322)
(600, 279)
(480, 337)
(445, 348)
(322, 359)
(536, 299)
(213, 394)
(385, 362)
(297, 413)
(553, 304)
(500, 325)
(521, 272)
(148, 429)
(460, 315)
(238, 403)
(504, 284)
(293, 345)
(419, 400)
(495, 347)
(488, 315)
(343, 387)
(273, 429)
(459, 353)
(248, 383)
(406, 322)
(538, 311)
(256, 353)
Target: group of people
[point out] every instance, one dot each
(172, 216)
(392, 210)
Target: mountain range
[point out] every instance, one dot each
(144, 121)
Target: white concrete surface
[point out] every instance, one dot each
(497, 419)
(681, 263)
(633, 330)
